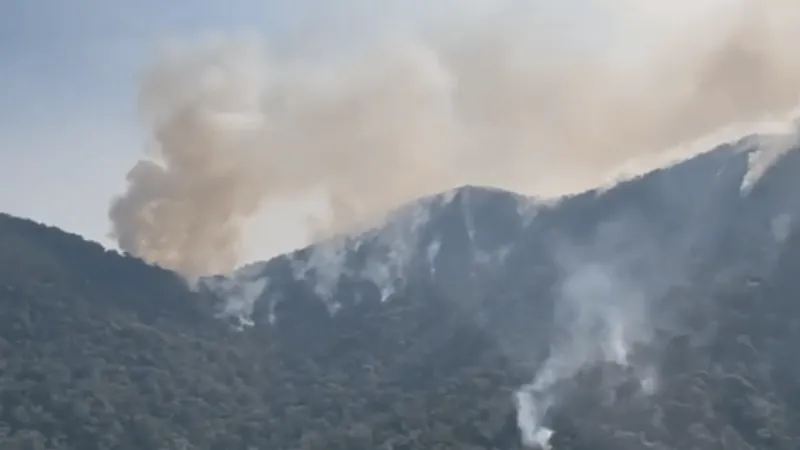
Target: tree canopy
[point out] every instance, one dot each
(100, 351)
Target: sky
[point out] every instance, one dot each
(68, 96)
(72, 72)
(69, 80)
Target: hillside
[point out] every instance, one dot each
(466, 239)
(101, 351)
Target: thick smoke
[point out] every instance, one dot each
(524, 96)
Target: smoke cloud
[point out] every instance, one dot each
(527, 96)
(604, 310)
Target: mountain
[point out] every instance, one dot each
(697, 223)
(658, 313)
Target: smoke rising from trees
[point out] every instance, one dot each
(542, 102)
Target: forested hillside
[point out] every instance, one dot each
(101, 351)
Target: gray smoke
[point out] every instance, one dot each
(525, 96)
(604, 309)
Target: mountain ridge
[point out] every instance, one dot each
(388, 251)
(660, 312)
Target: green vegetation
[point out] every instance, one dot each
(100, 351)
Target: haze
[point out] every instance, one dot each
(246, 120)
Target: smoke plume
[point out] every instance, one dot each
(604, 310)
(526, 96)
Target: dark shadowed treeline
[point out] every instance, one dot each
(101, 351)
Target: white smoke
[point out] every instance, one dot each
(531, 96)
(241, 290)
(393, 243)
(539, 97)
(603, 312)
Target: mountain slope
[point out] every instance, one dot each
(660, 313)
(143, 366)
(696, 222)
(653, 257)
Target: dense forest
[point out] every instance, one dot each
(101, 351)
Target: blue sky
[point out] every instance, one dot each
(69, 71)
(68, 87)
(69, 129)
